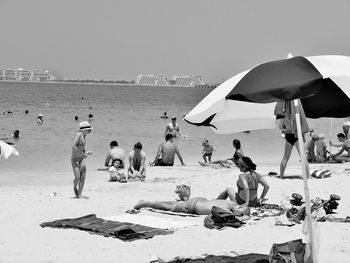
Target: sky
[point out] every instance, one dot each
(216, 39)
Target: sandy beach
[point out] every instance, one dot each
(23, 240)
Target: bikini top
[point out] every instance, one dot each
(252, 184)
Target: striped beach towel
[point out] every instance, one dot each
(321, 173)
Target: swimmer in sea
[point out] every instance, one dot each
(164, 116)
(76, 118)
(40, 119)
(91, 117)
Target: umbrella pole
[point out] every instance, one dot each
(308, 217)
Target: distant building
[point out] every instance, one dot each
(25, 75)
(152, 79)
(188, 81)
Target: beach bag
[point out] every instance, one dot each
(220, 218)
(288, 252)
(321, 173)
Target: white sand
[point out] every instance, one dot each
(24, 208)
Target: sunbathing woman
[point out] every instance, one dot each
(247, 185)
(196, 205)
(345, 146)
(234, 160)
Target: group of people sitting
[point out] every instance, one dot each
(115, 162)
(317, 149)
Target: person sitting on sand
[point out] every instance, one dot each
(345, 146)
(321, 149)
(137, 160)
(247, 185)
(208, 150)
(167, 150)
(233, 160)
(196, 205)
(115, 153)
(116, 172)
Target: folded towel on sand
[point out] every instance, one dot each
(248, 258)
(155, 221)
(122, 230)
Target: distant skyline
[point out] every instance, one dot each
(117, 40)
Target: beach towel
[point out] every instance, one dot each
(122, 230)
(247, 258)
(321, 173)
(156, 221)
(6, 150)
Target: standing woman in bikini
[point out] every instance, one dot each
(247, 185)
(79, 155)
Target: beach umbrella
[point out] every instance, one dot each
(231, 116)
(6, 150)
(322, 83)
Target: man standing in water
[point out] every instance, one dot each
(78, 157)
(167, 150)
(173, 128)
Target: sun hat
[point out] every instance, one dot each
(85, 125)
(315, 136)
(321, 135)
(40, 115)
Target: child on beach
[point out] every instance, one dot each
(321, 149)
(116, 172)
(207, 150)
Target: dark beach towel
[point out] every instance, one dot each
(248, 258)
(122, 230)
(220, 218)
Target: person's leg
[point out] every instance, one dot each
(342, 158)
(209, 157)
(143, 172)
(223, 195)
(82, 178)
(287, 152)
(76, 171)
(204, 158)
(161, 205)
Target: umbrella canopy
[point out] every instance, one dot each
(6, 150)
(230, 116)
(321, 82)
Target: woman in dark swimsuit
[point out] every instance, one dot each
(237, 154)
(247, 185)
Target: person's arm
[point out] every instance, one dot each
(156, 158)
(108, 158)
(166, 130)
(131, 163)
(340, 152)
(75, 143)
(266, 186)
(336, 145)
(179, 155)
(245, 189)
(240, 153)
(143, 161)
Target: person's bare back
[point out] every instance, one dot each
(168, 152)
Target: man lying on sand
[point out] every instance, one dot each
(196, 205)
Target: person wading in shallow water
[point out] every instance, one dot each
(78, 158)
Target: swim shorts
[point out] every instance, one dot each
(207, 154)
(161, 163)
(188, 206)
(290, 137)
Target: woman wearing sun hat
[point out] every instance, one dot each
(247, 185)
(78, 158)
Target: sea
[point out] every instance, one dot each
(125, 113)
